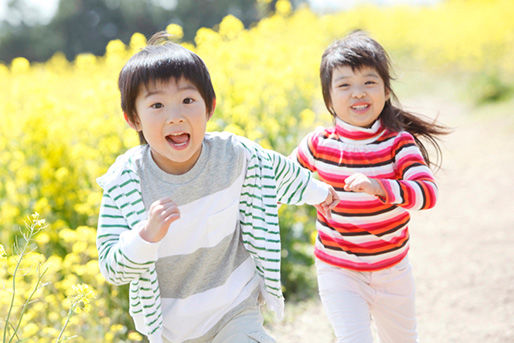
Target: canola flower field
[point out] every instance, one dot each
(62, 127)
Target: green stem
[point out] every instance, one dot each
(36, 287)
(65, 323)
(14, 290)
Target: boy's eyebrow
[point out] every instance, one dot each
(149, 93)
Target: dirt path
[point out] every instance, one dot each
(462, 251)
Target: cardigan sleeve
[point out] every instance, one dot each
(123, 255)
(295, 185)
(414, 187)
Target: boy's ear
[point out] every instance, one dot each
(212, 110)
(135, 125)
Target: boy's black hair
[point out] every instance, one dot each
(162, 60)
(358, 50)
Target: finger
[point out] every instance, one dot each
(172, 217)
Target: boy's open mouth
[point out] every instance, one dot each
(178, 139)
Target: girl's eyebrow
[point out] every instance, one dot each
(370, 74)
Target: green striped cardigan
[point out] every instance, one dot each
(270, 178)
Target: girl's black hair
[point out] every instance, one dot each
(162, 60)
(358, 50)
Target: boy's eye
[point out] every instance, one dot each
(157, 105)
(188, 100)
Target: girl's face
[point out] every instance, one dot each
(173, 118)
(358, 96)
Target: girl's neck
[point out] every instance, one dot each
(356, 134)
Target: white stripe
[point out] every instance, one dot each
(195, 315)
(193, 231)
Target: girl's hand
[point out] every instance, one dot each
(161, 214)
(330, 202)
(359, 182)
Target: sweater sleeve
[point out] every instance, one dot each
(415, 187)
(123, 255)
(305, 153)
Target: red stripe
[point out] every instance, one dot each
(360, 266)
(366, 246)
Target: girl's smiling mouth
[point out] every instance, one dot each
(360, 107)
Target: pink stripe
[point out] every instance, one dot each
(420, 176)
(409, 158)
(370, 227)
(377, 243)
(336, 152)
(359, 266)
(391, 196)
(328, 176)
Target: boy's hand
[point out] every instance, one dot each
(161, 214)
(330, 202)
(359, 182)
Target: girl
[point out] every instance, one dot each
(380, 169)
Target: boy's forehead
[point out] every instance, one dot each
(156, 84)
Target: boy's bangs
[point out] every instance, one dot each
(166, 68)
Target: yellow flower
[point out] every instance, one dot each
(283, 7)
(175, 31)
(2, 251)
(230, 27)
(80, 297)
(134, 336)
(20, 65)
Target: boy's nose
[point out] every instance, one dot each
(175, 117)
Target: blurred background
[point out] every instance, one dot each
(62, 127)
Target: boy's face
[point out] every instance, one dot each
(358, 96)
(173, 118)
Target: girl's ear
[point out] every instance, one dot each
(209, 115)
(135, 125)
(387, 94)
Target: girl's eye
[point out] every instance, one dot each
(370, 82)
(188, 101)
(343, 85)
(157, 105)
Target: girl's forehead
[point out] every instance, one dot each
(343, 71)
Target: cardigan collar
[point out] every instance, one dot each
(358, 135)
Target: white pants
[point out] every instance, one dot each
(352, 298)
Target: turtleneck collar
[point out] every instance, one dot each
(358, 135)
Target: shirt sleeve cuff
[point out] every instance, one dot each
(136, 248)
(316, 192)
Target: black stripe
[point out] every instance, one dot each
(360, 165)
(369, 214)
(415, 164)
(423, 195)
(400, 148)
(366, 233)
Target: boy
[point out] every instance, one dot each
(189, 218)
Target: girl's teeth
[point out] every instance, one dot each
(361, 107)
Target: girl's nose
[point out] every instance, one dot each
(358, 93)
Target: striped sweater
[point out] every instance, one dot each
(367, 233)
(124, 257)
